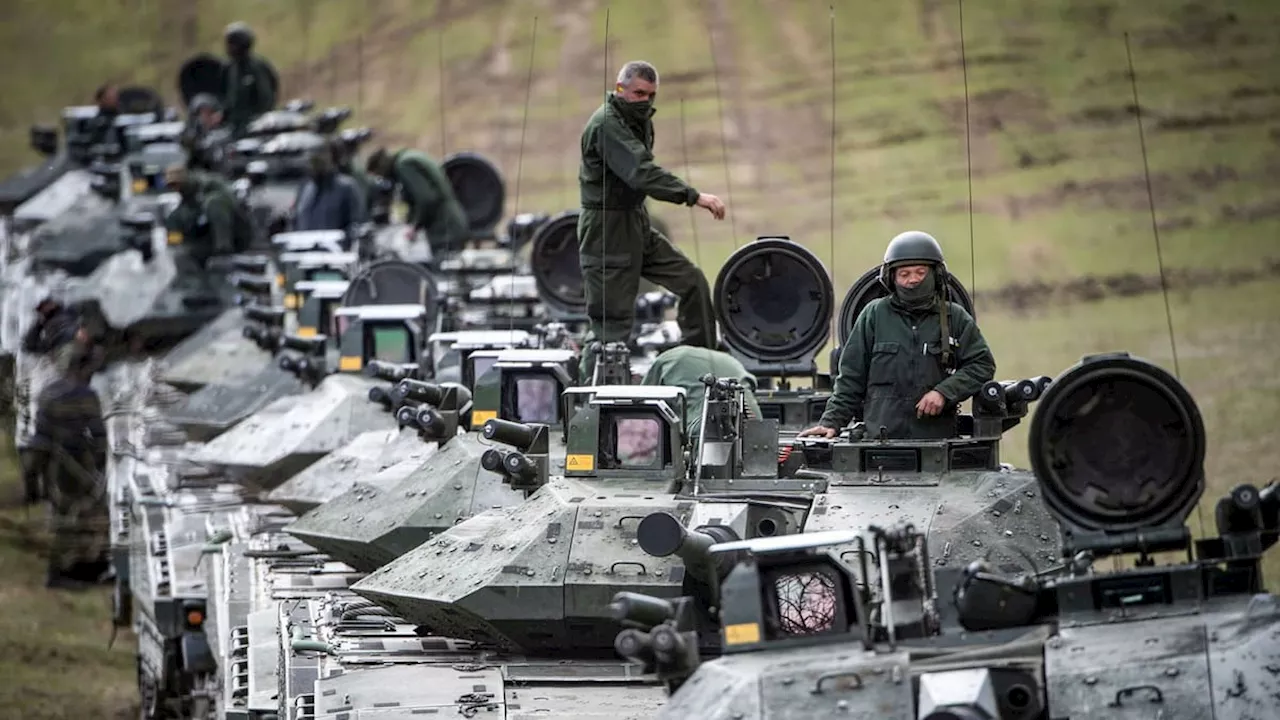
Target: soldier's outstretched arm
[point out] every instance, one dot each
(628, 158)
(421, 194)
(975, 364)
(850, 388)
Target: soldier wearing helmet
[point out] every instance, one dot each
(912, 357)
(251, 83)
(207, 135)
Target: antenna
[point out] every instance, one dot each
(604, 191)
(724, 145)
(1151, 203)
(440, 69)
(834, 316)
(688, 175)
(968, 154)
(524, 126)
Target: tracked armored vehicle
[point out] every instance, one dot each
(804, 635)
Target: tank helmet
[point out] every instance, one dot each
(239, 34)
(205, 101)
(912, 248)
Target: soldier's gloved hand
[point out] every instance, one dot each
(930, 404)
(818, 431)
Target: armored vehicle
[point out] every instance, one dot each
(367, 520)
(807, 634)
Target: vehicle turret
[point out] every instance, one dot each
(405, 505)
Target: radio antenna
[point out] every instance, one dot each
(834, 315)
(440, 69)
(968, 155)
(604, 192)
(688, 176)
(515, 211)
(724, 145)
(1151, 204)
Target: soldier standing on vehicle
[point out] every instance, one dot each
(208, 220)
(618, 244)
(70, 443)
(912, 357)
(250, 89)
(427, 191)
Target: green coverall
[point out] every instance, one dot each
(210, 219)
(684, 367)
(618, 244)
(893, 357)
(250, 92)
(432, 204)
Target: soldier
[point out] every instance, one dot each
(429, 195)
(209, 219)
(54, 328)
(102, 129)
(108, 99)
(250, 89)
(684, 366)
(70, 445)
(329, 200)
(207, 134)
(617, 244)
(895, 370)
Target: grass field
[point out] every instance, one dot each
(1062, 258)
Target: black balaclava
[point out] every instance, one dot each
(919, 298)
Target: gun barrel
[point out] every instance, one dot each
(643, 610)
(256, 285)
(506, 432)
(493, 460)
(309, 346)
(519, 467)
(429, 421)
(391, 372)
(407, 416)
(421, 391)
(266, 315)
(381, 396)
(660, 534)
(634, 645)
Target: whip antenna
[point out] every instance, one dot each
(440, 69)
(515, 211)
(688, 174)
(1151, 204)
(968, 153)
(724, 145)
(604, 213)
(834, 315)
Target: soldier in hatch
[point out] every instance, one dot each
(911, 358)
(70, 446)
(344, 158)
(617, 243)
(684, 367)
(206, 136)
(209, 220)
(251, 89)
(429, 195)
(329, 200)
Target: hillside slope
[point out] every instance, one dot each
(1062, 235)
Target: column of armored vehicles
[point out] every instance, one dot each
(372, 485)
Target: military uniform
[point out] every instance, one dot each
(45, 345)
(895, 353)
(250, 92)
(210, 219)
(684, 367)
(617, 242)
(71, 446)
(432, 204)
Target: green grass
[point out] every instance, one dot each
(1058, 178)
